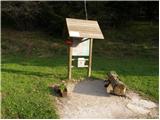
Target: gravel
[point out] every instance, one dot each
(89, 99)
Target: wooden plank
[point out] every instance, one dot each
(90, 57)
(70, 63)
(84, 28)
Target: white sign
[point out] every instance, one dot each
(74, 33)
(80, 47)
(81, 62)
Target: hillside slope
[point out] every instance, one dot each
(135, 39)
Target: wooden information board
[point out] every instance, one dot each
(79, 29)
(84, 28)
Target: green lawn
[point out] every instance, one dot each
(25, 81)
(25, 87)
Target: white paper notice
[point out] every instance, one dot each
(81, 62)
(80, 48)
(74, 34)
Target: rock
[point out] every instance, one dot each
(147, 104)
(137, 109)
(143, 103)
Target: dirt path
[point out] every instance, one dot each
(88, 99)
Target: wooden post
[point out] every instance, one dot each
(90, 57)
(70, 62)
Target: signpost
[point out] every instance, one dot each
(82, 33)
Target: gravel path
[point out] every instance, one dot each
(88, 99)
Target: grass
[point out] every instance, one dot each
(139, 74)
(26, 81)
(32, 61)
(25, 88)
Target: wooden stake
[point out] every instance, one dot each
(70, 63)
(90, 57)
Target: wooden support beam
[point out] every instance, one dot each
(90, 57)
(69, 63)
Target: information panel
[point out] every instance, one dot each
(80, 48)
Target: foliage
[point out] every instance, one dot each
(50, 16)
(31, 43)
(134, 39)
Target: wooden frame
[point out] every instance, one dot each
(90, 57)
(69, 62)
(78, 28)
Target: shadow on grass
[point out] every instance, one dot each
(38, 74)
(35, 61)
(127, 72)
(101, 65)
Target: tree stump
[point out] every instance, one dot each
(118, 87)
